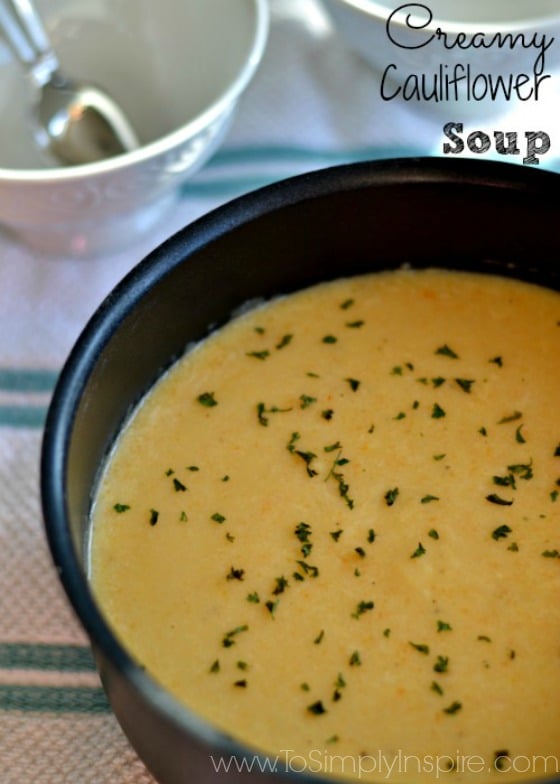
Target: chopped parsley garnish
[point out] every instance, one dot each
(505, 481)
(330, 339)
(178, 485)
(319, 638)
(120, 508)
(551, 554)
(207, 399)
(500, 758)
(307, 457)
(339, 683)
(242, 684)
(362, 607)
(327, 414)
(292, 442)
(436, 687)
(218, 518)
(501, 532)
(354, 383)
(303, 532)
(347, 304)
(494, 498)
(371, 536)
(333, 447)
(442, 663)
(465, 384)
(271, 606)
(421, 648)
(443, 626)
(497, 361)
(285, 340)
(445, 351)
(259, 354)
(437, 411)
(343, 487)
(519, 437)
(306, 400)
(317, 708)
(360, 551)
(420, 550)
(253, 597)
(336, 535)
(311, 571)
(281, 585)
(235, 574)
(262, 410)
(391, 496)
(510, 418)
(453, 708)
(355, 324)
(433, 534)
(522, 470)
(426, 499)
(229, 637)
(355, 659)
(215, 667)
(154, 516)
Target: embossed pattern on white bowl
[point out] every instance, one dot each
(178, 67)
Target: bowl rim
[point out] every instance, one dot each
(379, 10)
(163, 144)
(121, 301)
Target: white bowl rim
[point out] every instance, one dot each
(57, 175)
(376, 9)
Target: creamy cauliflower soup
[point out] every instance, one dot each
(332, 529)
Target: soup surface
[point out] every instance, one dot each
(333, 529)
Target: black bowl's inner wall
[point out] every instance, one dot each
(493, 229)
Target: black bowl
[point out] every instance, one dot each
(457, 214)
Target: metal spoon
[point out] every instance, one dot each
(77, 123)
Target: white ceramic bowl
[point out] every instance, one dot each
(177, 67)
(398, 39)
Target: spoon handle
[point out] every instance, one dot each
(27, 38)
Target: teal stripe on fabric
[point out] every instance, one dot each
(284, 153)
(53, 699)
(13, 380)
(23, 416)
(225, 187)
(63, 658)
(232, 185)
